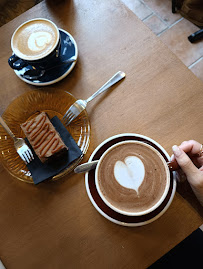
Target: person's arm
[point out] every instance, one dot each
(189, 156)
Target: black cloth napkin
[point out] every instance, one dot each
(42, 171)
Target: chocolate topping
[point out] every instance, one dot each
(43, 137)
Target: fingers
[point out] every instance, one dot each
(185, 163)
(191, 146)
(194, 175)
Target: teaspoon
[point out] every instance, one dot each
(86, 167)
(32, 73)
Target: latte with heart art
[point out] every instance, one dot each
(35, 39)
(132, 178)
(130, 173)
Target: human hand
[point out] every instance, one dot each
(189, 156)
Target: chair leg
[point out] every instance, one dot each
(173, 6)
(196, 36)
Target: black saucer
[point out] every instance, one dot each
(67, 50)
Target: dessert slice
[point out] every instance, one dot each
(44, 138)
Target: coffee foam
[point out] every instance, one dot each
(130, 173)
(38, 41)
(35, 39)
(132, 191)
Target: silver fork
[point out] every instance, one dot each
(80, 105)
(21, 147)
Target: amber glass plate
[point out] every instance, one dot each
(55, 103)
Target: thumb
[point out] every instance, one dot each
(185, 163)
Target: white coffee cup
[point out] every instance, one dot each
(119, 179)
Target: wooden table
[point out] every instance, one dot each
(55, 225)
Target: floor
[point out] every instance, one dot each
(9, 9)
(172, 29)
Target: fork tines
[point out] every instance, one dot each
(26, 154)
(68, 117)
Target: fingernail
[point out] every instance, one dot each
(172, 158)
(176, 150)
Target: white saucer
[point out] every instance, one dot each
(67, 50)
(102, 208)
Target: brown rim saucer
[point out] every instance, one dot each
(110, 213)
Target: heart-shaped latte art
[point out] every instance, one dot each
(38, 41)
(130, 173)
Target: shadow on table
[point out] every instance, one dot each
(186, 192)
(187, 254)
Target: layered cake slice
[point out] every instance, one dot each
(44, 138)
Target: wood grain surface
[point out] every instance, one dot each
(54, 225)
